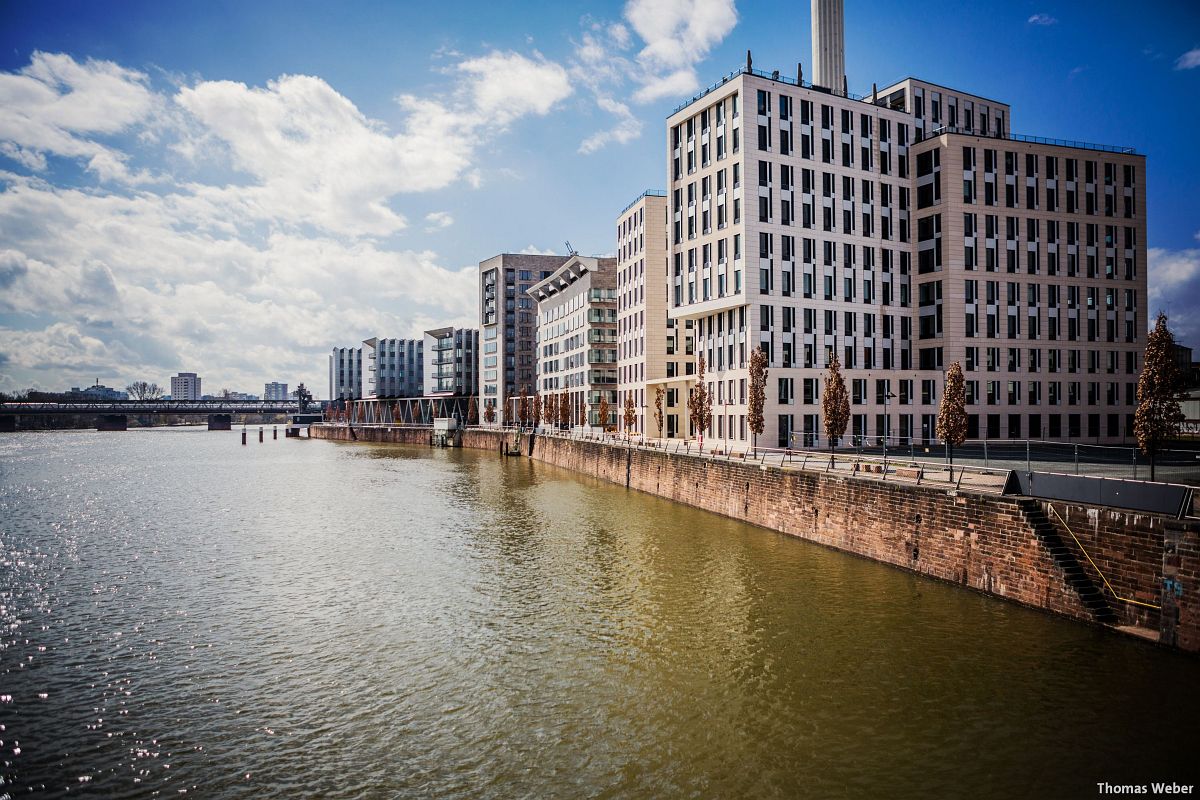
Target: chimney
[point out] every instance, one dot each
(828, 44)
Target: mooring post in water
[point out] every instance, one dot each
(275, 432)
(243, 436)
(260, 435)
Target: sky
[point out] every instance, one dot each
(234, 188)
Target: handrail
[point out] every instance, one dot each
(1017, 137)
(1099, 572)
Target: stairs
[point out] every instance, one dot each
(1091, 595)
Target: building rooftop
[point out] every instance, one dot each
(638, 199)
(1016, 137)
(771, 76)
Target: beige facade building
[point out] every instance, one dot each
(577, 336)
(903, 231)
(653, 351)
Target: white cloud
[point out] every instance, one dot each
(678, 34)
(534, 250)
(1042, 19)
(438, 220)
(1189, 60)
(505, 86)
(1171, 269)
(58, 106)
(627, 129)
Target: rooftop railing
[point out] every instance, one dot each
(1016, 137)
(771, 76)
(647, 193)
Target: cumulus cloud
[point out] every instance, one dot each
(678, 34)
(1042, 19)
(1174, 286)
(627, 128)
(58, 106)
(1189, 60)
(437, 220)
(253, 275)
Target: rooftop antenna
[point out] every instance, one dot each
(571, 251)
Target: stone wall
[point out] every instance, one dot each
(985, 542)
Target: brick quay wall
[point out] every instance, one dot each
(1045, 555)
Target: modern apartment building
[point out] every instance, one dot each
(508, 328)
(577, 336)
(274, 391)
(903, 231)
(185, 386)
(345, 373)
(392, 368)
(653, 350)
(451, 362)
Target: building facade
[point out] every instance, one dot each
(186, 386)
(451, 362)
(508, 327)
(654, 352)
(345, 373)
(392, 368)
(903, 231)
(577, 336)
(275, 391)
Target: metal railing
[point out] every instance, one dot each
(1099, 572)
(774, 75)
(647, 193)
(1017, 137)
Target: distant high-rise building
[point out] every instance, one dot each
(451, 362)
(185, 386)
(275, 392)
(345, 373)
(507, 327)
(392, 368)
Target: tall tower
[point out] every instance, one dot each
(828, 44)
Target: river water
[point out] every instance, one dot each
(184, 615)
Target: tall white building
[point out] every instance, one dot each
(274, 391)
(185, 386)
(903, 231)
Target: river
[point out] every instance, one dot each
(183, 615)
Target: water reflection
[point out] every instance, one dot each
(339, 620)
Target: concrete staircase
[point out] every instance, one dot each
(1090, 594)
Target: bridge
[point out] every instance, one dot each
(114, 416)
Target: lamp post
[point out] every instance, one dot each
(887, 421)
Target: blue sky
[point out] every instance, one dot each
(233, 188)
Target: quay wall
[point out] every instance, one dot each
(985, 542)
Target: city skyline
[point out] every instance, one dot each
(163, 209)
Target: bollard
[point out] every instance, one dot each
(275, 432)
(243, 436)
(260, 435)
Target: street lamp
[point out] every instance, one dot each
(887, 420)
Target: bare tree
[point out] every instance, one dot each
(523, 407)
(537, 409)
(583, 414)
(952, 414)
(758, 392)
(658, 409)
(630, 413)
(141, 390)
(835, 403)
(489, 412)
(604, 411)
(472, 412)
(564, 410)
(1158, 417)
